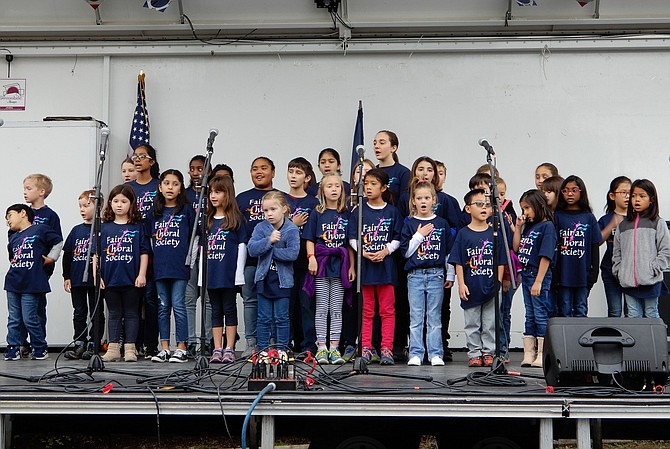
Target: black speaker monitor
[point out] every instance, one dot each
(629, 352)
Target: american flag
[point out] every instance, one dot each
(139, 129)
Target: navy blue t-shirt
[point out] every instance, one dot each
(473, 250)
(297, 206)
(146, 194)
(399, 177)
(46, 216)
(193, 196)
(75, 251)
(121, 246)
(251, 206)
(222, 251)
(269, 286)
(606, 263)
(26, 248)
(433, 251)
(331, 229)
(537, 240)
(380, 227)
(443, 207)
(578, 232)
(170, 235)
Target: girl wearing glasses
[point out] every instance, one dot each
(641, 251)
(577, 254)
(146, 184)
(615, 212)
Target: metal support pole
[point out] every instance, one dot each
(583, 433)
(267, 432)
(546, 433)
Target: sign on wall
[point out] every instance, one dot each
(12, 94)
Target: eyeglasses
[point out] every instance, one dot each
(573, 190)
(623, 192)
(140, 157)
(480, 204)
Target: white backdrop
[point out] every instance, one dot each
(597, 114)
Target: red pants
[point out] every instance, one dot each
(386, 299)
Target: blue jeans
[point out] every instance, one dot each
(538, 308)
(172, 296)
(506, 318)
(273, 311)
(573, 301)
(614, 295)
(26, 314)
(425, 292)
(250, 301)
(641, 307)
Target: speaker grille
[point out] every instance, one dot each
(583, 366)
(636, 366)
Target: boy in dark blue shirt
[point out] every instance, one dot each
(26, 281)
(82, 291)
(301, 309)
(478, 276)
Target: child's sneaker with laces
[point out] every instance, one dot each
(415, 360)
(335, 357)
(387, 357)
(375, 357)
(228, 356)
(487, 360)
(217, 356)
(162, 356)
(322, 357)
(475, 362)
(437, 361)
(366, 355)
(12, 353)
(179, 356)
(40, 354)
(349, 353)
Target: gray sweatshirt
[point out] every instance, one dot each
(641, 251)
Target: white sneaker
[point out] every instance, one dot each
(414, 361)
(437, 361)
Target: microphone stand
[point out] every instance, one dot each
(201, 362)
(359, 364)
(95, 363)
(498, 366)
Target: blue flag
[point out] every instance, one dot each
(139, 128)
(358, 137)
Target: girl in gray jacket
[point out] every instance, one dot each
(641, 251)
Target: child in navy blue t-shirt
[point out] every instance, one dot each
(301, 204)
(250, 204)
(26, 282)
(535, 244)
(578, 256)
(425, 242)
(479, 276)
(169, 225)
(82, 291)
(36, 189)
(226, 256)
(330, 265)
(123, 267)
(382, 224)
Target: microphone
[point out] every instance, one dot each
(212, 135)
(2, 122)
(104, 138)
(360, 150)
(489, 149)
